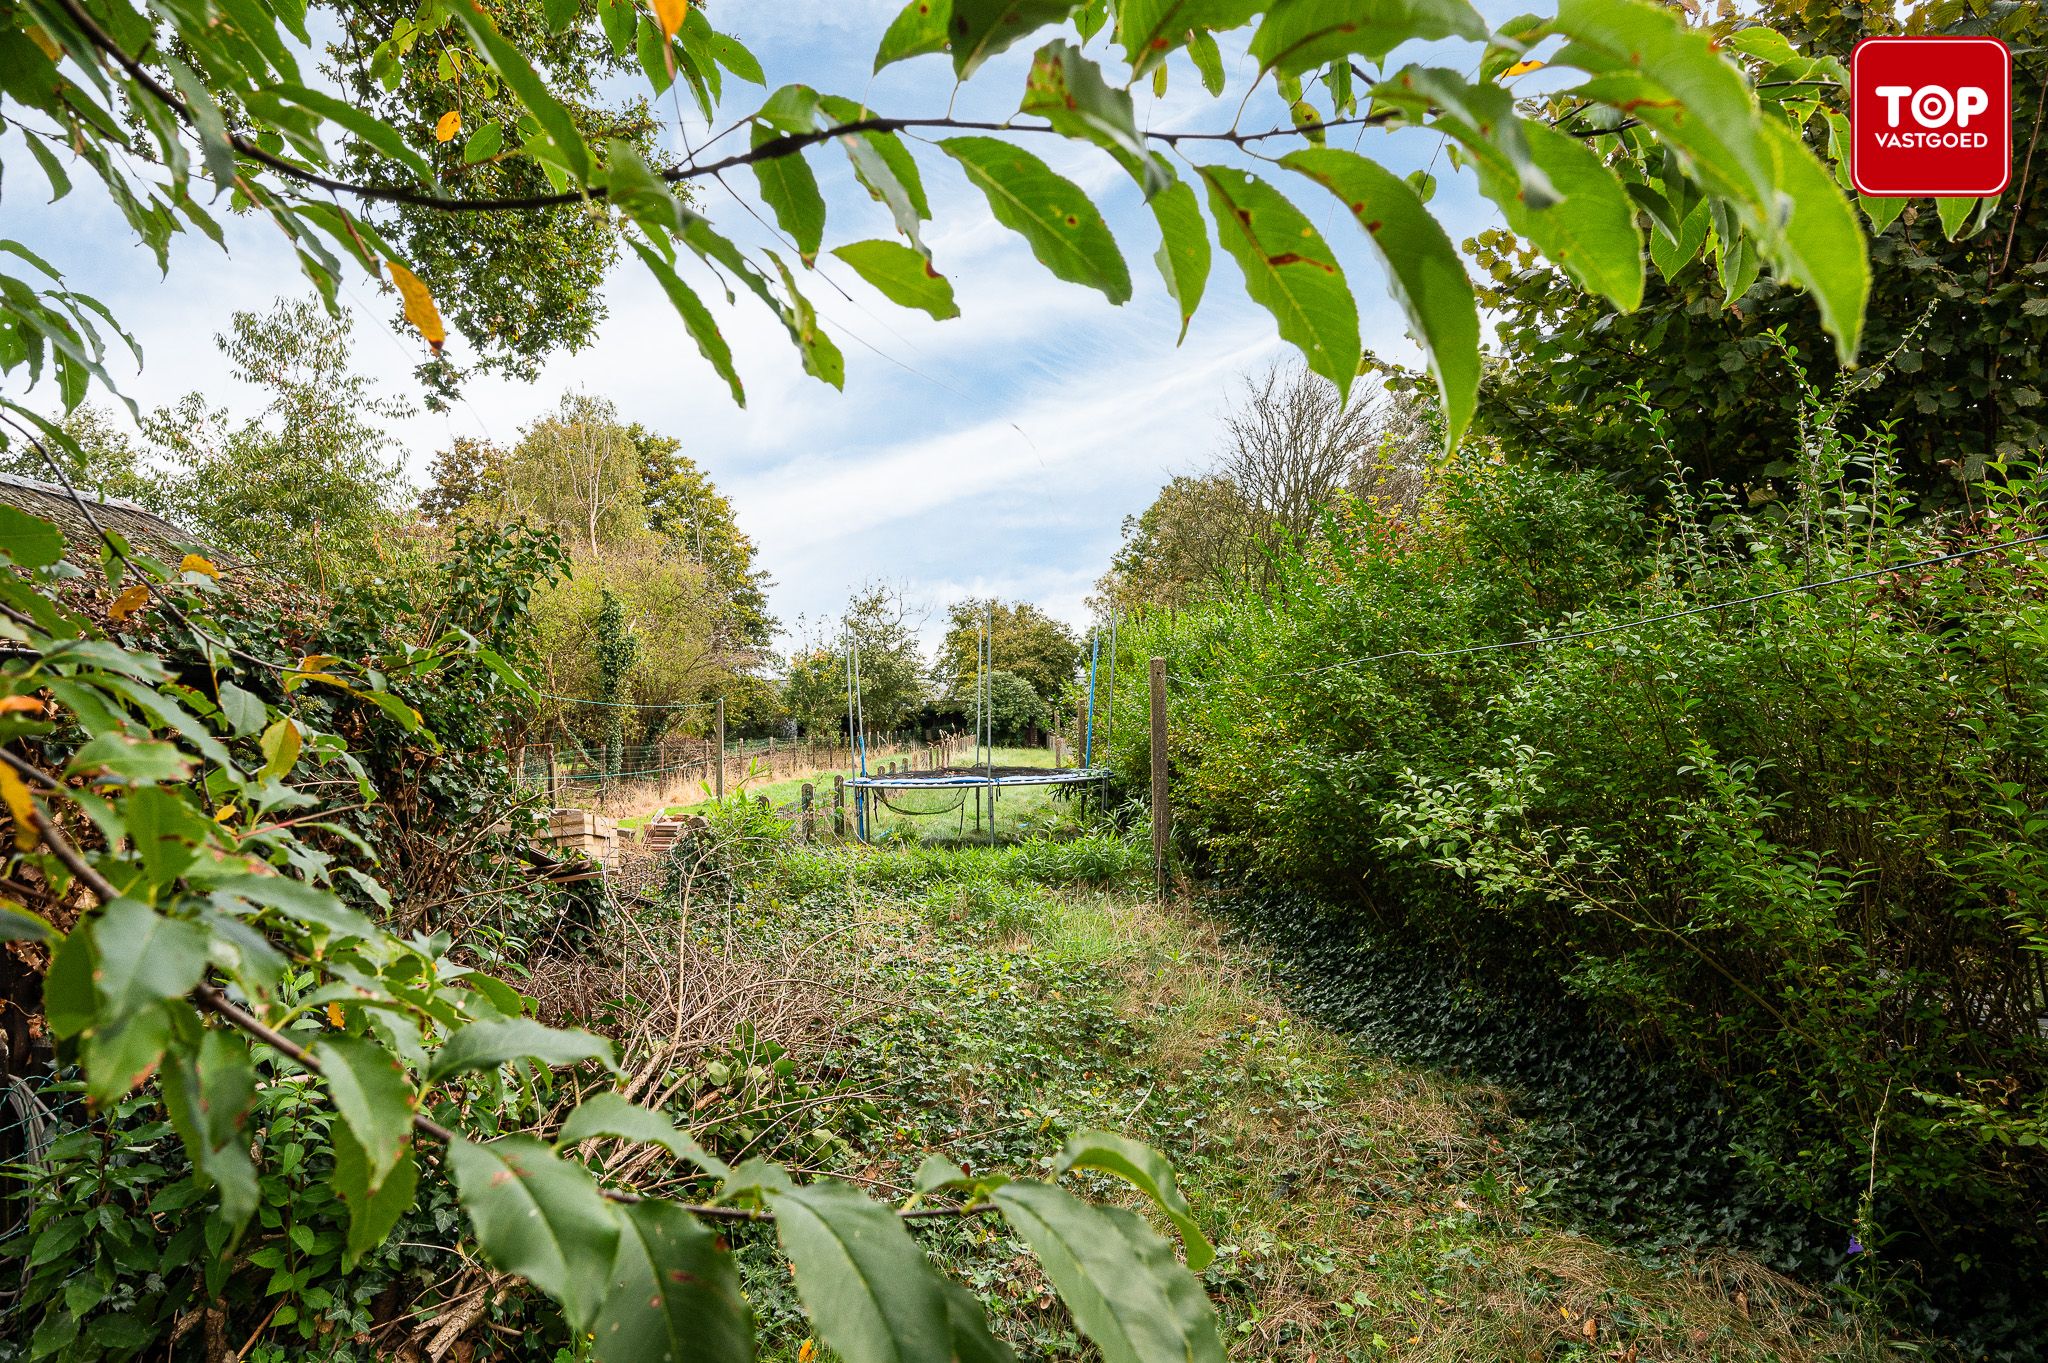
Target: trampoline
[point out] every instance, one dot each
(947, 788)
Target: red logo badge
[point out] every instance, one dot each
(1930, 117)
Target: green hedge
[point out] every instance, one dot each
(1798, 848)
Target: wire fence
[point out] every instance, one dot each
(643, 777)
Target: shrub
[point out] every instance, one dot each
(1797, 847)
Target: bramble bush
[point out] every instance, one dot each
(1795, 847)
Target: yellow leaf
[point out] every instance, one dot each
(669, 14)
(805, 1351)
(334, 1014)
(449, 124)
(21, 807)
(11, 704)
(128, 602)
(280, 744)
(224, 813)
(419, 305)
(193, 563)
(1524, 68)
(43, 40)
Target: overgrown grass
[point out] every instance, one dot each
(1362, 1208)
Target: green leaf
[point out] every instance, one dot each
(1590, 230)
(280, 744)
(298, 901)
(1483, 120)
(244, 712)
(1299, 35)
(144, 957)
(484, 143)
(1288, 269)
(1820, 248)
(208, 1096)
(673, 1295)
(883, 165)
(1208, 59)
(1068, 91)
(1064, 230)
(612, 1114)
(734, 56)
(981, 28)
(918, 29)
(1673, 78)
(697, 318)
(967, 1321)
(1183, 254)
(358, 123)
(1116, 1276)
(1146, 1170)
(902, 275)
(487, 1045)
(520, 77)
(1673, 254)
(121, 1052)
(1881, 212)
(1151, 29)
(70, 999)
(865, 1284)
(17, 924)
(541, 1217)
(144, 760)
(373, 1094)
(1954, 213)
(821, 355)
(29, 541)
(791, 193)
(1424, 273)
(371, 1214)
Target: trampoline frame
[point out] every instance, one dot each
(860, 781)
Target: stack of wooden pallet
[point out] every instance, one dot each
(664, 831)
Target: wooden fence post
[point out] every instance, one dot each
(808, 825)
(839, 806)
(718, 782)
(1162, 814)
(554, 779)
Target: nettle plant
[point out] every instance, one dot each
(217, 953)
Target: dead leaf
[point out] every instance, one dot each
(448, 125)
(128, 602)
(194, 563)
(21, 807)
(334, 1016)
(1592, 1327)
(13, 704)
(419, 305)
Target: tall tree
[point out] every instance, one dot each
(1027, 643)
(880, 626)
(304, 487)
(686, 507)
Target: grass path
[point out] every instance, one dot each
(1362, 1209)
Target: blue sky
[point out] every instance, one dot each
(996, 453)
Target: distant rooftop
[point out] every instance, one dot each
(143, 528)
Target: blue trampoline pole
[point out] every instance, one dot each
(1088, 739)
